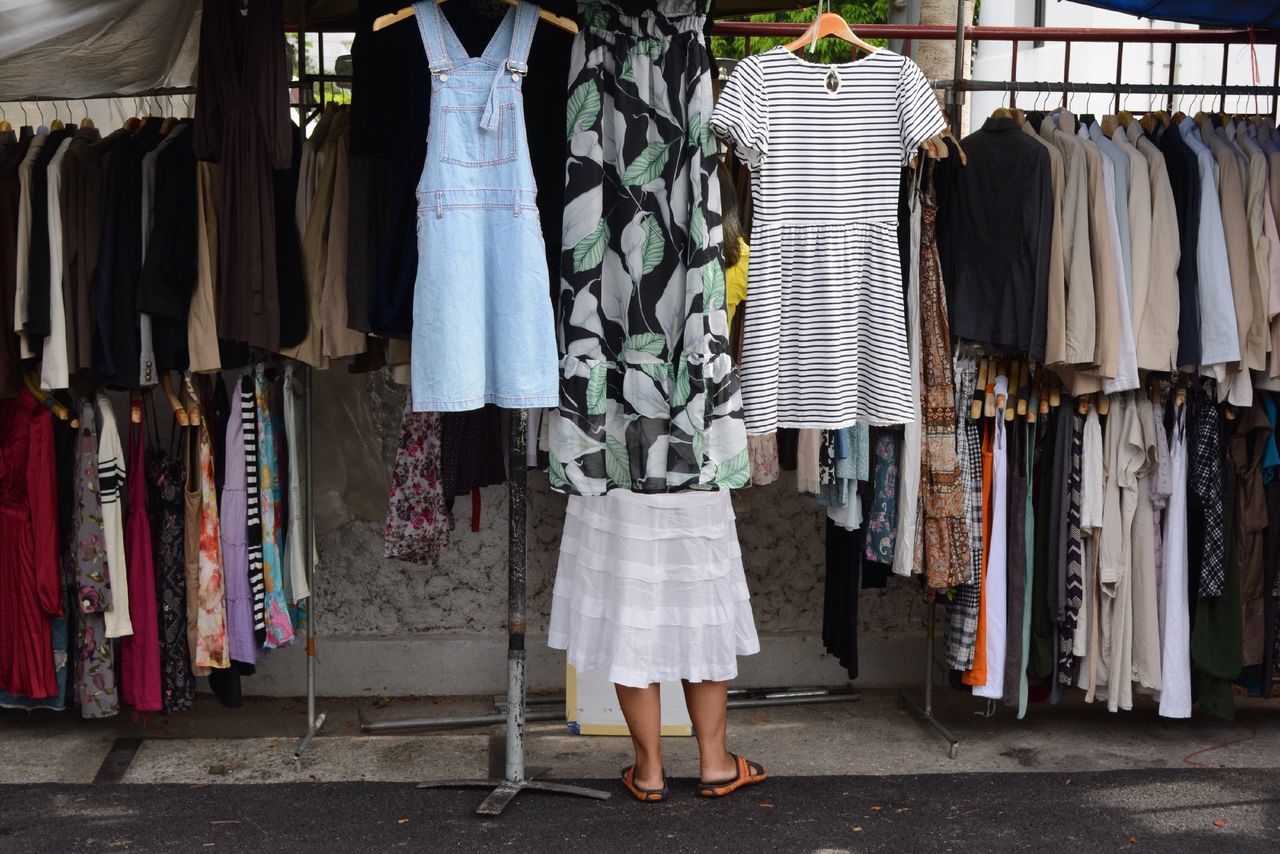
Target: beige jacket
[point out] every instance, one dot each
(202, 317)
(1235, 225)
(1139, 227)
(1157, 317)
(324, 252)
(1055, 336)
(1081, 321)
(1106, 275)
(1256, 200)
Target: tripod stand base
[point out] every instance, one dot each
(504, 791)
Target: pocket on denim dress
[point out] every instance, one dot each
(463, 142)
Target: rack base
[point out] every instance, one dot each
(505, 791)
(925, 711)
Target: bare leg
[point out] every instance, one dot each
(708, 704)
(642, 707)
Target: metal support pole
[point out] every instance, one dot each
(1222, 103)
(1013, 76)
(515, 780)
(1173, 69)
(314, 721)
(956, 94)
(1119, 73)
(1066, 72)
(926, 711)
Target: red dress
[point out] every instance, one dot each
(30, 579)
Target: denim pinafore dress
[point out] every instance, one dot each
(483, 328)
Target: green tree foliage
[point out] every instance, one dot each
(828, 49)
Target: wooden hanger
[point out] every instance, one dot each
(404, 14)
(193, 405)
(33, 388)
(179, 411)
(830, 24)
(1104, 404)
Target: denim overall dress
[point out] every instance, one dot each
(483, 329)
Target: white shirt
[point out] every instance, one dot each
(111, 480)
(995, 580)
(53, 367)
(1175, 623)
(1219, 342)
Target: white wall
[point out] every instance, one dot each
(1096, 63)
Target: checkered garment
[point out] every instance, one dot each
(1206, 480)
(962, 624)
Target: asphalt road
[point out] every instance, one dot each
(1163, 811)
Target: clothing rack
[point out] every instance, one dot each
(955, 89)
(314, 721)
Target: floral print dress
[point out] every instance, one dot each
(649, 396)
(95, 660)
(417, 518)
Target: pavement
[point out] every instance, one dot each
(855, 776)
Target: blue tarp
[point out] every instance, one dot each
(1209, 13)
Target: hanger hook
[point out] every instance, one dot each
(25, 119)
(85, 104)
(40, 110)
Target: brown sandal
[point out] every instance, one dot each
(749, 773)
(646, 796)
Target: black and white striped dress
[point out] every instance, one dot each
(825, 341)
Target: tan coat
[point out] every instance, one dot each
(1055, 336)
(1081, 320)
(202, 317)
(1157, 316)
(1235, 225)
(1106, 274)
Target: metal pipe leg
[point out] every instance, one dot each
(926, 711)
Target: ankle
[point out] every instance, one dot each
(648, 769)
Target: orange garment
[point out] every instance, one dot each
(977, 675)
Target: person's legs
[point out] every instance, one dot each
(708, 704)
(642, 707)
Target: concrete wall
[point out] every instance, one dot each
(390, 628)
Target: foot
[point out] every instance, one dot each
(648, 775)
(641, 792)
(746, 774)
(722, 768)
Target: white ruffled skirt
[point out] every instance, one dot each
(650, 588)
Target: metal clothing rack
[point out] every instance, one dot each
(955, 89)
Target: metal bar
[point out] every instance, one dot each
(1222, 103)
(1105, 88)
(1013, 76)
(926, 711)
(1119, 72)
(932, 32)
(552, 714)
(1173, 67)
(1275, 81)
(517, 589)
(1066, 73)
(107, 96)
(314, 721)
(748, 703)
(956, 95)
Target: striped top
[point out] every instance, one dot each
(820, 155)
(825, 340)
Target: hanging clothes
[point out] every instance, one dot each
(242, 124)
(95, 660)
(279, 628)
(471, 346)
(649, 397)
(164, 498)
(140, 684)
(30, 577)
(418, 520)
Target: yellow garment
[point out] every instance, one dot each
(735, 281)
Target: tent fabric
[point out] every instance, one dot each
(76, 48)
(1210, 13)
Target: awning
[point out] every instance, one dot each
(1208, 13)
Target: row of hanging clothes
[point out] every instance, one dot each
(130, 569)
(1092, 486)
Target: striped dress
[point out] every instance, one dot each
(825, 342)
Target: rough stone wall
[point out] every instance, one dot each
(362, 594)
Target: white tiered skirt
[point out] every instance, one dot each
(650, 588)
